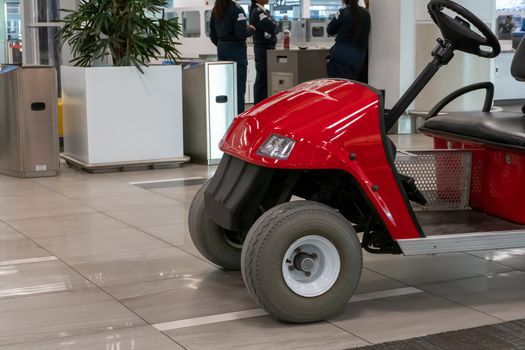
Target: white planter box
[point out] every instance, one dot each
(118, 115)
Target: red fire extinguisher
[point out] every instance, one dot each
(286, 40)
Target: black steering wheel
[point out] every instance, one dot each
(457, 30)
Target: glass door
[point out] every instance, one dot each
(10, 32)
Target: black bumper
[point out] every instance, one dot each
(235, 193)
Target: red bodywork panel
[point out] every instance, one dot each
(497, 179)
(329, 120)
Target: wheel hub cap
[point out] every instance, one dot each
(311, 266)
(303, 262)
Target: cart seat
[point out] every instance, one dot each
(503, 128)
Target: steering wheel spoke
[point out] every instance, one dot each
(459, 30)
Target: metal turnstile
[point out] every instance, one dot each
(28, 121)
(210, 104)
(288, 68)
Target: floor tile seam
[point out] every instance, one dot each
(166, 205)
(444, 281)
(159, 181)
(39, 259)
(89, 287)
(128, 284)
(96, 286)
(259, 312)
(36, 341)
(495, 262)
(443, 297)
(469, 278)
(114, 218)
(137, 228)
(351, 333)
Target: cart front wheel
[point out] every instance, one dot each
(216, 244)
(301, 261)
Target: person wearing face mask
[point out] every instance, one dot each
(264, 39)
(351, 26)
(229, 30)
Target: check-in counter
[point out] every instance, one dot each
(288, 68)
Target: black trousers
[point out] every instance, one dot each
(260, 88)
(236, 51)
(346, 61)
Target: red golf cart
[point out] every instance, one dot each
(309, 178)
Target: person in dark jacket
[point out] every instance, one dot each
(229, 30)
(351, 26)
(264, 39)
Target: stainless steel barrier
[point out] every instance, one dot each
(28, 121)
(210, 104)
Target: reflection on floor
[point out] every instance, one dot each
(102, 261)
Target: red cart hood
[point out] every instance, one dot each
(319, 115)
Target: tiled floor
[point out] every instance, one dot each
(90, 261)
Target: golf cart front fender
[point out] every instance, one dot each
(336, 125)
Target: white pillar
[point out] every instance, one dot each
(305, 8)
(402, 38)
(463, 70)
(392, 49)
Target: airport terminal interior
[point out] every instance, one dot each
(141, 210)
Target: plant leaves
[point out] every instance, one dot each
(132, 32)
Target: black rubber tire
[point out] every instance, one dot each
(209, 238)
(264, 249)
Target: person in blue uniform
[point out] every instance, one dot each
(351, 26)
(264, 39)
(229, 30)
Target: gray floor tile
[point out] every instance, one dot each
(185, 171)
(128, 202)
(133, 338)
(186, 297)
(16, 208)
(152, 216)
(67, 225)
(264, 333)
(8, 233)
(182, 194)
(32, 191)
(93, 244)
(20, 249)
(417, 270)
(514, 258)
(140, 265)
(176, 234)
(500, 295)
(39, 278)
(53, 315)
(105, 188)
(404, 317)
(374, 282)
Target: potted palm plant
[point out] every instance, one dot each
(128, 111)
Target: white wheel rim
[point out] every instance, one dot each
(321, 263)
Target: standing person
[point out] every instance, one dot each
(229, 30)
(264, 39)
(352, 27)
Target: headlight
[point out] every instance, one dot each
(278, 147)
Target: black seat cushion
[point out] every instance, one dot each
(505, 128)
